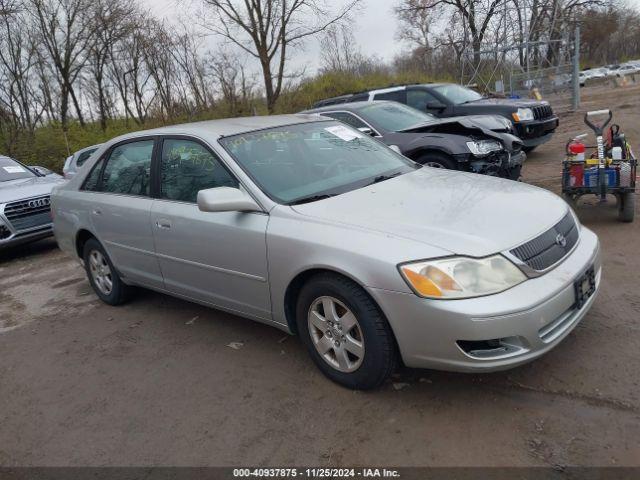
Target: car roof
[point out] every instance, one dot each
(351, 106)
(227, 127)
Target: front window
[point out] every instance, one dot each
(304, 162)
(394, 117)
(188, 167)
(12, 170)
(457, 94)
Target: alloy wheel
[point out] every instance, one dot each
(100, 272)
(336, 334)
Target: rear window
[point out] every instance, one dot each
(84, 156)
(12, 170)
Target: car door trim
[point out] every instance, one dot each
(127, 247)
(211, 267)
(188, 262)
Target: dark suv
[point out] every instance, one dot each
(534, 121)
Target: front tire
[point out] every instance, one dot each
(529, 149)
(103, 276)
(345, 333)
(437, 160)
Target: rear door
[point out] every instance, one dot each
(219, 258)
(120, 208)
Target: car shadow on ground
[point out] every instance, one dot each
(28, 251)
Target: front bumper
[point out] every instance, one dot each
(536, 132)
(532, 317)
(27, 236)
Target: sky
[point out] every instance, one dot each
(374, 29)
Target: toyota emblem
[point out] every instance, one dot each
(561, 240)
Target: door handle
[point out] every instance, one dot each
(164, 224)
(97, 211)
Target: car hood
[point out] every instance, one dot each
(463, 213)
(512, 102)
(28, 187)
(483, 122)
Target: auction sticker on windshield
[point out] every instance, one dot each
(343, 133)
(13, 169)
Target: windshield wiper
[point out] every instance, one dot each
(382, 178)
(310, 198)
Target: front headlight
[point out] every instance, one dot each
(523, 114)
(484, 147)
(461, 277)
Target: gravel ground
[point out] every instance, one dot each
(155, 382)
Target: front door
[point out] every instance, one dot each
(218, 258)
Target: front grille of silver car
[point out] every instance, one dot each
(29, 213)
(549, 248)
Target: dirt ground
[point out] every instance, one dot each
(154, 382)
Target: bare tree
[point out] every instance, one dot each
(110, 24)
(267, 29)
(65, 34)
(234, 83)
(339, 50)
(17, 58)
(129, 73)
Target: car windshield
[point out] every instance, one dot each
(12, 170)
(394, 116)
(308, 161)
(457, 94)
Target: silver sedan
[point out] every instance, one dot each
(308, 225)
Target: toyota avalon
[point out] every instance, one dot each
(311, 226)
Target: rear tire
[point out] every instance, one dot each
(103, 276)
(438, 160)
(627, 207)
(346, 334)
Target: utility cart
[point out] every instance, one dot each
(609, 170)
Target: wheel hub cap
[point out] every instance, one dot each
(100, 272)
(336, 334)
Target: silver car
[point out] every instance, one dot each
(75, 161)
(25, 214)
(308, 225)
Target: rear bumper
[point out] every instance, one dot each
(531, 318)
(536, 132)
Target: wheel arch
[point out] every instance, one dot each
(82, 236)
(301, 278)
(415, 155)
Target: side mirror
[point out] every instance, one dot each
(226, 199)
(41, 171)
(435, 105)
(367, 131)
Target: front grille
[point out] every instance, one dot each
(29, 213)
(543, 111)
(549, 248)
